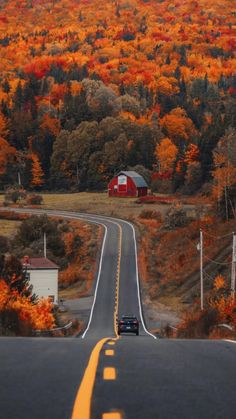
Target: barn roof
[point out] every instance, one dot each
(40, 263)
(137, 179)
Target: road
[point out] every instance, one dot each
(101, 376)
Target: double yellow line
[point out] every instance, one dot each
(82, 404)
(117, 282)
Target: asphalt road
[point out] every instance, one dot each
(127, 378)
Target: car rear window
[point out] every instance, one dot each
(128, 319)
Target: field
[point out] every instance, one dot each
(8, 227)
(100, 203)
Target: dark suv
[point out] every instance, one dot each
(128, 324)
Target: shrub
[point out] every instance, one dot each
(176, 217)
(35, 199)
(6, 203)
(4, 244)
(198, 324)
(15, 193)
(149, 214)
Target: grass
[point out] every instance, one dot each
(73, 291)
(99, 203)
(8, 227)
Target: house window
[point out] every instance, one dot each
(51, 298)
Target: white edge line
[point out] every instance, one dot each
(97, 283)
(76, 217)
(229, 340)
(137, 279)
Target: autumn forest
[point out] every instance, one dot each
(89, 88)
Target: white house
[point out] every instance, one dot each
(43, 275)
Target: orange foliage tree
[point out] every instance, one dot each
(51, 124)
(3, 126)
(37, 172)
(178, 125)
(33, 315)
(166, 153)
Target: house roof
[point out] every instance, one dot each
(137, 179)
(40, 263)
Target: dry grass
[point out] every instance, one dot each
(73, 291)
(8, 227)
(99, 203)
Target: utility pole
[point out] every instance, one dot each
(19, 179)
(77, 174)
(226, 205)
(201, 267)
(233, 269)
(45, 245)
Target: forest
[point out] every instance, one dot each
(89, 88)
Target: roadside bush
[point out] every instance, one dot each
(197, 324)
(35, 199)
(150, 215)
(4, 244)
(6, 203)
(176, 217)
(15, 193)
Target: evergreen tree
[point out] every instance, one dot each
(12, 272)
(6, 86)
(18, 98)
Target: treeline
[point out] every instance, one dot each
(98, 132)
(114, 90)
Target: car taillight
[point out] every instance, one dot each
(121, 322)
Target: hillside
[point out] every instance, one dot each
(89, 88)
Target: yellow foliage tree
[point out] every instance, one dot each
(224, 174)
(178, 124)
(166, 153)
(167, 86)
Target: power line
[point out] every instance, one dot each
(216, 262)
(217, 237)
(209, 276)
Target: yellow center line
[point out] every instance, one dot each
(109, 373)
(112, 415)
(117, 283)
(109, 352)
(82, 404)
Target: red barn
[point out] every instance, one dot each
(127, 184)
